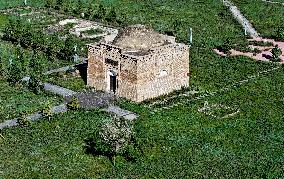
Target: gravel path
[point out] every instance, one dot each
(121, 112)
(92, 99)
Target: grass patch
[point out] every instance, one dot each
(178, 142)
(75, 83)
(265, 17)
(17, 99)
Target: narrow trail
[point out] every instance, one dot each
(273, 2)
(241, 18)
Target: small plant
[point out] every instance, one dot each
(227, 46)
(276, 52)
(260, 43)
(93, 31)
(255, 51)
(46, 112)
(23, 120)
(73, 104)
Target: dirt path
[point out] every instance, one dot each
(241, 18)
(264, 55)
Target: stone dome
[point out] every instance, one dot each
(138, 38)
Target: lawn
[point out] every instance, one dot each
(9, 4)
(66, 80)
(17, 99)
(265, 17)
(178, 142)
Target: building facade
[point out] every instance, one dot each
(139, 64)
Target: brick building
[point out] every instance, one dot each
(138, 64)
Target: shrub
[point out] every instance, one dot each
(101, 12)
(35, 85)
(255, 51)
(115, 138)
(111, 16)
(14, 73)
(227, 46)
(73, 104)
(276, 52)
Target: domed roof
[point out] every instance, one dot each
(138, 38)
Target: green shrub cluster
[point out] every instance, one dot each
(276, 52)
(73, 104)
(116, 137)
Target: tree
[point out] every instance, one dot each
(111, 16)
(58, 5)
(14, 72)
(280, 33)
(227, 46)
(49, 3)
(36, 66)
(114, 138)
(67, 52)
(101, 12)
(276, 52)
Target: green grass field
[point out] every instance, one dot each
(14, 3)
(178, 142)
(75, 83)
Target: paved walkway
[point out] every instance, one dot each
(63, 108)
(10, 123)
(58, 90)
(121, 112)
(241, 19)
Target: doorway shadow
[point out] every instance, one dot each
(83, 71)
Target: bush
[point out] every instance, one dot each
(276, 52)
(73, 104)
(227, 46)
(111, 16)
(115, 138)
(35, 85)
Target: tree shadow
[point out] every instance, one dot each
(269, 57)
(90, 149)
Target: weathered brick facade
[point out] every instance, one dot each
(141, 71)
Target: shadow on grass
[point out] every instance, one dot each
(131, 154)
